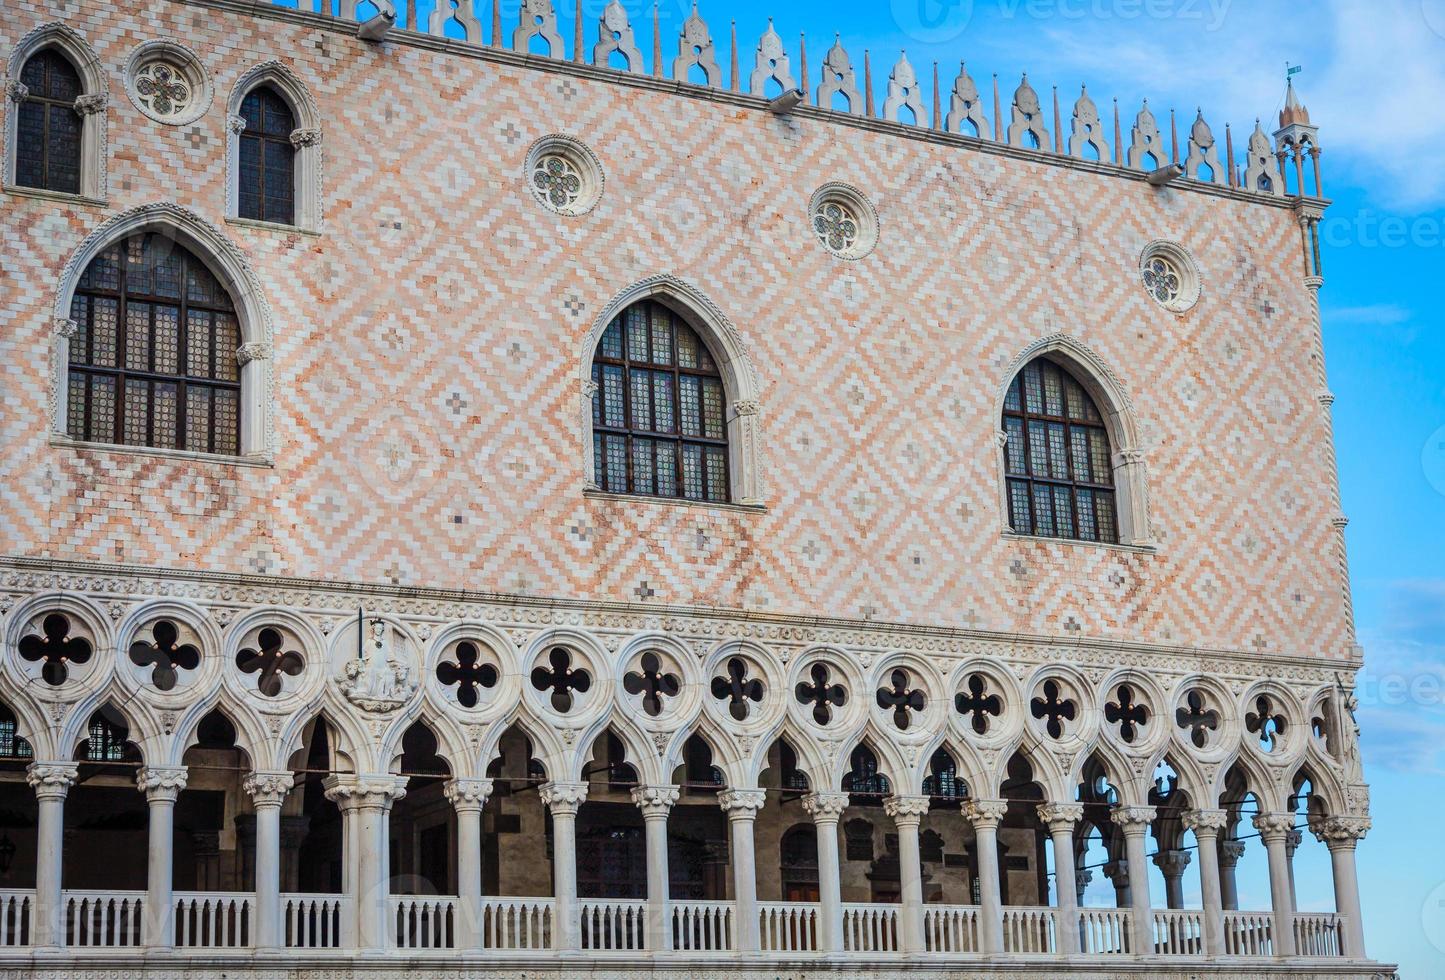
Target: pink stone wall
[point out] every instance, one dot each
(426, 359)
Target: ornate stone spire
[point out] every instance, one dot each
(1146, 141)
(1262, 172)
(1088, 129)
(838, 77)
(965, 108)
(614, 34)
(1027, 128)
(537, 18)
(1203, 151)
(903, 91)
(695, 48)
(771, 62)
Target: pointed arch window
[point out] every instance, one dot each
(659, 418)
(153, 357)
(48, 142)
(267, 174)
(1058, 457)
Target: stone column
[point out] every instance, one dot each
(468, 797)
(1292, 842)
(826, 809)
(1084, 876)
(161, 786)
(51, 782)
(293, 834)
(564, 800)
(986, 815)
(367, 799)
(1230, 851)
(907, 813)
(1172, 864)
(1273, 829)
(1134, 821)
(656, 803)
(1342, 835)
(1207, 825)
(268, 792)
(1117, 871)
(742, 806)
(1060, 818)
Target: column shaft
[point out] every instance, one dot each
(468, 797)
(907, 813)
(52, 781)
(1273, 830)
(564, 800)
(1062, 839)
(1347, 898)
(1209, 889)
(826, 810)
(742, 808)
(985, 815)
(268, 874)
(1134, 821)
(161, 787)
(655, 825)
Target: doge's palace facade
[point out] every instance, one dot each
(483, 500)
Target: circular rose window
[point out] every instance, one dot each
(564, 176)
(843, 221)
(1170, 276)
(166, 81)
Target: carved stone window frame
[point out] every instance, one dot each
(306, 138)
(740, 382)
(856, 203)
(183, 60)
(229, 265)
(1184, 265)
(584, 164)
(93, 106)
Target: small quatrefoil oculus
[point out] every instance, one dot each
(1198, 720)
(164, 655)
(562, 678)
(56, 649)
(738, 689)
(1054, 709)
(1127, 713)
(824, 697)
(652, 683)
(271, 663)
(901, 698)
(978, 703)
(467, 674)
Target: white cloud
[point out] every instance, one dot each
(1377, 315)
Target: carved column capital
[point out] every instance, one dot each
(563, 798)
(742, 803)
(161, 782)
(468, 794)
(1337, 831)
(748, 407)
(17, 91)
(90, 105)
(1172, 863)
(589, 388)
(1273, 826)
(825, 807)
(984, 814)
(1132, 819)
(65, 328)
(1230, 852)
(1060, 816)
(236, 124)
(906, 809)
(1211, 822)
(51, 780)
(365, 791)
(267, 788)
(655, 801)
(305, 137)
(247, 353)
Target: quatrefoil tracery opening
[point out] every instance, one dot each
(1054, 709)
(653, 683)
(738, 689)
(823, 696)
(561, 678)
(270, 661)
(1195, 717)
(978, 703)
(165, 655)
(901, 698)
(1130, 714)
(1266, 723)
(467, 673)
(56, 649)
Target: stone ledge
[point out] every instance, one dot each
(447, 965)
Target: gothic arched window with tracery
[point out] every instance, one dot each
(153, 357)
(267, 180)
(1058, 458)
(48, 127)
(659, 415)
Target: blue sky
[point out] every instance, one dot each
(1374, 81)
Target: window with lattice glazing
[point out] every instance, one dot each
(267, 189)
(1058, 458)
(659, 417)
(153, 358)
(47, 127)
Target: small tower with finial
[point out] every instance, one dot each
(1296, 136)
